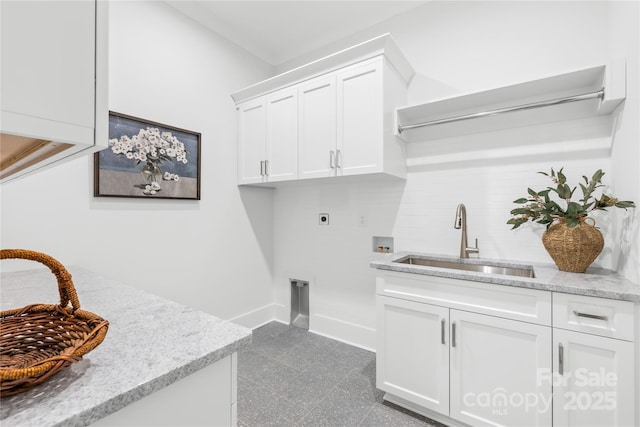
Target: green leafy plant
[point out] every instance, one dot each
(539, 206)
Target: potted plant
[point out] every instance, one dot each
(571, 238)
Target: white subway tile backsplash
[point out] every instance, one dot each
(418, 214)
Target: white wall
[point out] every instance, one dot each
(230, 252)
(459, 47)
(625, 41)
(213, 254)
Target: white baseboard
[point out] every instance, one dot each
(258, 317)
(327, 326)
(346, 332)
(443, 419)
(282, 313)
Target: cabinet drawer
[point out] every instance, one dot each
(599, 316)
(510, 302)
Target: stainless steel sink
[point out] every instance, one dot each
(524, 271)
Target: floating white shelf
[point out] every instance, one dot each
(574, 95)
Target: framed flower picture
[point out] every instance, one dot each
(146, 159)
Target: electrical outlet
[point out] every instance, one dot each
(323, 218)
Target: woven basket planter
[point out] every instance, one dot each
(573, 249)
(39, 340)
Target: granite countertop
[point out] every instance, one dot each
(595, 282)
(151, 343)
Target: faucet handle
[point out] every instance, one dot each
(474, 250)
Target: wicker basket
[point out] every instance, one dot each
(573, 249)
(38, 340)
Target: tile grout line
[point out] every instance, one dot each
(307, 412)
(317, 404)
(366, 415)
(276, 393)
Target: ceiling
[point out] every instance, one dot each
(279, 31)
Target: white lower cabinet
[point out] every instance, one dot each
(469, 353)
(593, 380)
(413, 352)
(494, 370)
(594, 361)
(477, 369)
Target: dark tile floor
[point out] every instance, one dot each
(291, 377)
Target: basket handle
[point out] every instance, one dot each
(65, 285)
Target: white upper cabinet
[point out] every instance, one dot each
(282, 136)
(54, 82)
(360, 140)
(251, 141)
(48, 48)
(268, 138)
(317, 118)
(345, 116)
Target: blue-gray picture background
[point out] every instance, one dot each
(119, 126)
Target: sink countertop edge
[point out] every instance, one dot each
(596, 282)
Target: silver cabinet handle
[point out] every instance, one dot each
(590, 316)
(266, 167)
(332, 160)
(261, 167)
(442, 332)
(338, 159)
(453, 334)
(560, 359)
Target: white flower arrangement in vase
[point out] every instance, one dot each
(154, 148)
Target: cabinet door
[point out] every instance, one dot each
(593, 380)
(495, 368)
(251, 141)
(48, 69)
(413, 352)
(282, 135)
(360, 122)
(317, 132)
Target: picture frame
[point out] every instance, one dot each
(146, 159)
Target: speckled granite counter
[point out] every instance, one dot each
(152, 342)
(595, 282)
